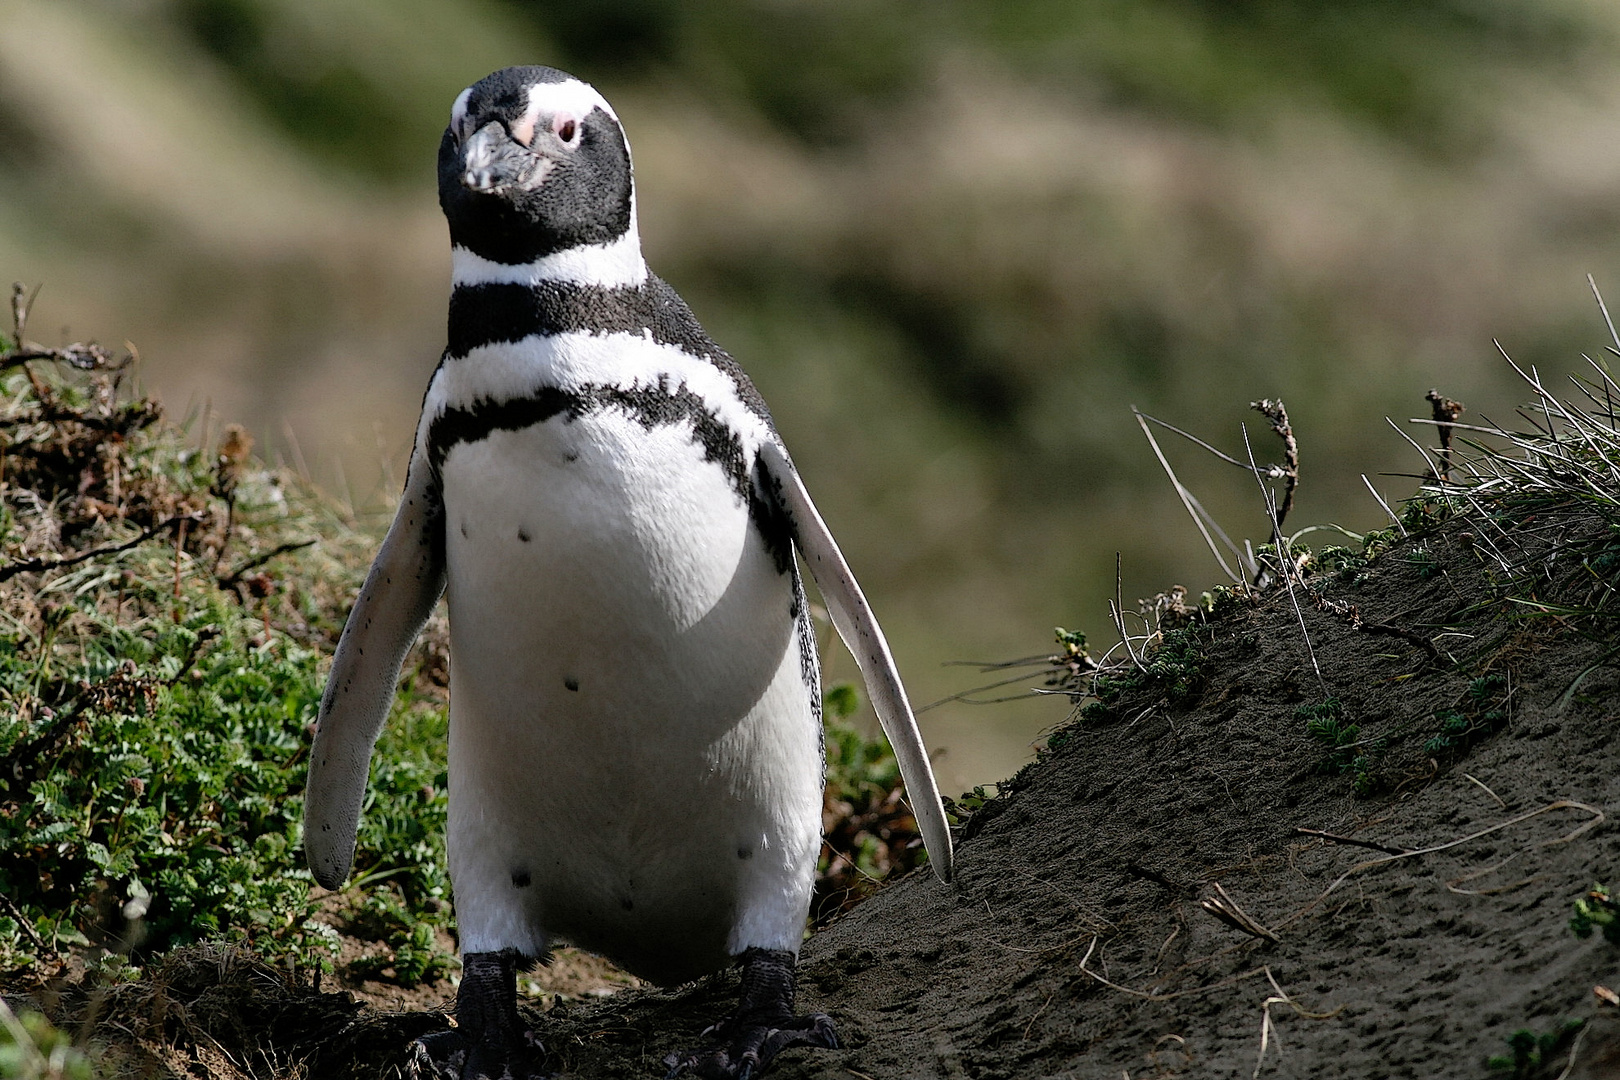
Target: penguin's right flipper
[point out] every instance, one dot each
(404, 583)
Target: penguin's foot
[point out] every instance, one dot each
(438, 1055)
(763, 1026)
(490, 1042)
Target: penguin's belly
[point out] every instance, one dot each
(634, 763)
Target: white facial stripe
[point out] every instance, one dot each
(511, 370)
(570, 96)
(609, 265)
(458, 111)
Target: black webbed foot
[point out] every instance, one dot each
(490, 1041)
(763, 1026)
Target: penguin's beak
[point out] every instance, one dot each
(491, 161)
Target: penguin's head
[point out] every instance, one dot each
(534, 162)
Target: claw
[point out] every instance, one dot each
(763, 1026)
(494, 1043)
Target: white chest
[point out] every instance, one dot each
(629, 707)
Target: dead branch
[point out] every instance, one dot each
(26, 927)
(1446, 413)
(1351, 613)
(82, 356)
(1597, 818)
(44, 562)
(1272, 409)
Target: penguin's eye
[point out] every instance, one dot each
(566, 128)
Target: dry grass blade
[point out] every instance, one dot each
(1596, 819)
(1116, 608)
(1195, 509)
(1268, 1030)
(1224, 908)
(1393, 519)
(1147, 995)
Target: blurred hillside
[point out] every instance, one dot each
(953, 242)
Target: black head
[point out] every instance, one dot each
(533, 162)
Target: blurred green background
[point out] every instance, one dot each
(953, 242)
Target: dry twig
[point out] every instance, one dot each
(1149, 996)
(1224, 908)
(43, 562)
(1446, 413)
(1337, 839)
(1272, 409)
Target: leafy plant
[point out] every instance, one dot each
(959, 809)
(869, 830)
(1345, 565)
(1458, 729)
(159, 701)
(1348, 752)
(1597, 910)
(1454, 731)
(408, 940)
(1423, 561)
(1530, 1051)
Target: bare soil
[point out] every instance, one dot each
(1078, 938)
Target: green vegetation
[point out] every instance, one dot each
(960, 809)
(1348, 752)
(1483, 712)
(1597, 910)
(31, 1049)
(1173, 667)
(1532, 1051)
(869, 830)
(1411, 71)
(160, 662)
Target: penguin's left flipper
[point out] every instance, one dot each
(763, 1026)
(404, 583)
(853, 619)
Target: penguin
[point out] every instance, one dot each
(636, 757)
